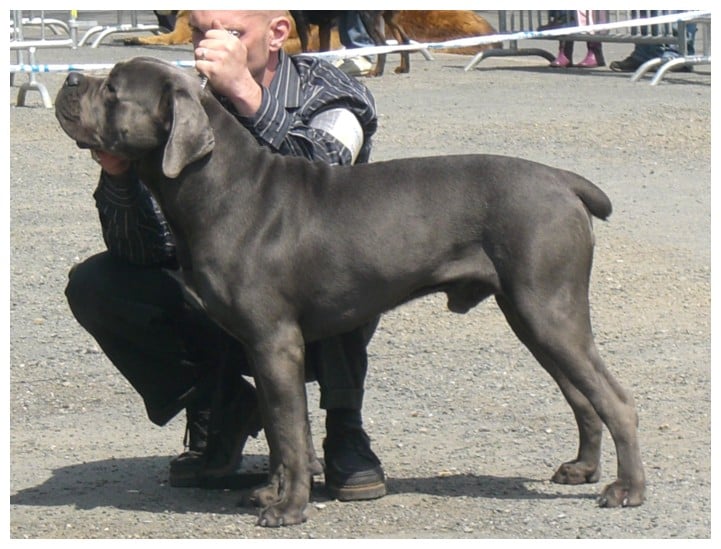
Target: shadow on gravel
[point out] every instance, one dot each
(136, 484)
(479, 486)
(140, 484)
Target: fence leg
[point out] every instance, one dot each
(477, 59)
(647, 66)
(34, 85)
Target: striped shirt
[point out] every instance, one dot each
(133, 226)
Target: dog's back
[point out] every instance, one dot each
(442, 25)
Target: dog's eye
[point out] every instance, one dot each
(109, 87)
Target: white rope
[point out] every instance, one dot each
(521, 35)
(87, 67)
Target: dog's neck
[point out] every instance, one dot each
(251, 171)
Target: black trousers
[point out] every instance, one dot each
(170, 351)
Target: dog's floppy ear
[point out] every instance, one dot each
(191, 136)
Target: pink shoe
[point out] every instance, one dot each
(561, 61)
(589, 62)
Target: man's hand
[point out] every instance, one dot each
(223, 59)
(111, 164)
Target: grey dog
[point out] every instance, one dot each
(283, 251)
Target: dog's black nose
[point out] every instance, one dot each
(73, 79)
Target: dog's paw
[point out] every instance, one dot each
(282, 515)
(621, 494)
(576, 472)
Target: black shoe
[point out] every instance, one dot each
(185, 468)
(627, 65)
(352, 471)
(212, 458)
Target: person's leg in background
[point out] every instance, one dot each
(353, 34)
(565, 48)
(594, 49)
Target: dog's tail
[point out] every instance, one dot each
(594, 198)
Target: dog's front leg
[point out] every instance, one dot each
(278, 364)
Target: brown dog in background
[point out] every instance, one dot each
(180, 34)
(323, 19)
(441, 25)
(419, 25)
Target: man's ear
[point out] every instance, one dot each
(279, 32)
(191, 137)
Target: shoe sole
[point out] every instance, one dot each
(357, 493)
(617, 68)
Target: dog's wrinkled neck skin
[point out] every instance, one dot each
(201, 186)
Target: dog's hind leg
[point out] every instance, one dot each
(324, 32)
(586, 467)
(374, 24)
(301, 29)
(555, 326)
(391, 23)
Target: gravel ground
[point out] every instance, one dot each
(469, 427)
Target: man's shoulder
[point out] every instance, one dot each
(308, 63)
(310, 67)
(326, 86)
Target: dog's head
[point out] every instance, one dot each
(142, 106)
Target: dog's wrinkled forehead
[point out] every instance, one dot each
(150, 73)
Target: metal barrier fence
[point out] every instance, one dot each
(48, 32)
(637, 27)
(527, 24)
(19, 44)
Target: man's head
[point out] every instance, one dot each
(262, 32)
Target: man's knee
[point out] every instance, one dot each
(103, 283)
(83, 289)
